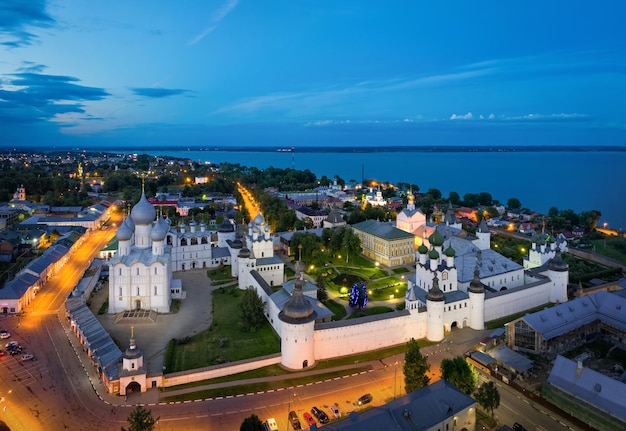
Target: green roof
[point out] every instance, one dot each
(382, 230)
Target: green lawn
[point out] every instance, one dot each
(339, 311)
(220, 274)
(224, 341)
(382, 289)
(613, 247)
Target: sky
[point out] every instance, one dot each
(220, 73)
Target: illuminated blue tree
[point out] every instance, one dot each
(358, 296)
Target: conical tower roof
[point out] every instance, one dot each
(297, 309)
(435, 294)
(476, 286)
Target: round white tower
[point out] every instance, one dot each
(558, 272)
(297, 328)
(476, 292)
(435, 303)
(484, 236)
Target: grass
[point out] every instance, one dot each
(224, 341)
(339, 311)
(220, 274)
(260, 387)
(104, 307)
(276, 370)
(175, 307)
(383, 288)
(400, 270)
(612, 246)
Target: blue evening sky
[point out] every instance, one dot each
(311, 72)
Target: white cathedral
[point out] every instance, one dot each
(150, 249)
(459, 282)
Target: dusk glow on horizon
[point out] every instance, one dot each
(350, 73)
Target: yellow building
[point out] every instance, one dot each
(385, 243)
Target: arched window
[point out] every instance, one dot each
(194, 241)
(204, 240)
(183, 241)
(137, 271)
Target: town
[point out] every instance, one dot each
(177, 281)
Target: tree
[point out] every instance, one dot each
(454, 198)
(140, 419)
(490, 212)
(415, 367)
(434, 193)
(488, 397)
(351, 243)
(514, 204)
(252, 310)
(251, 423)
(458, 372)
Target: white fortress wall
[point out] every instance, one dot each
(365, 334)
(508, 302)
(215, 371)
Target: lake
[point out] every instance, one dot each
(577, 180)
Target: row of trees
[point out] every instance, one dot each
(457, 371)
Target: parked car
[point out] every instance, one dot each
(294, 421)
(320, 415)
(12, 344)
(27, 357)
(309, 419)
(335, 410)
(4, 334)
(367, 398)
(518, 427)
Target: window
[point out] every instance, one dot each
(120, 292)
(137, 291)
(155, 270)
(155, 290)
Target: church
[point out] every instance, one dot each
(150, 250)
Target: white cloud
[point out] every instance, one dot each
(467, 116)
(219, 15)
(491, 116)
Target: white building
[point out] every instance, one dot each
(140, 272)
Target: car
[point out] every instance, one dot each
(335, 410)
(4, 334)
(12, 344)
(309, 419)
(320, 415)
(27, 357)
(14, 352)
(365, 399)
(518, 427)
(294, 421)
(270, 425)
